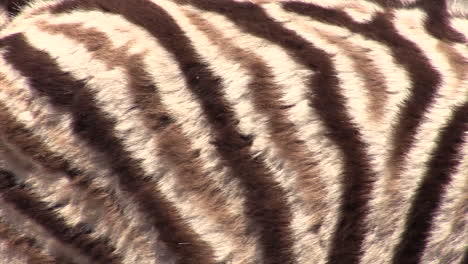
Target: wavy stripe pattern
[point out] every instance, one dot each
(223, 131)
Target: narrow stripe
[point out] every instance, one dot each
(449, 232)
(437, 17)
(458, 63)
(95, 205)
(267, 98)
(96, 182)
(257, 99)
(177, 148)
(449, 96)
(444, 159)
(374, 81)
(96, 178)
(424, 77)
(32, 145)
(329, 103)
(266, 201)
(72, 95)
(40, 212)
(20, 244)
(437, 21)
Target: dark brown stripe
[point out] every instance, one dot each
(437, 17)
(465, 257)
(23, 245)
(267, 100)
(445, 158)
(42, 213)
(15, 6)
(177, 153)
(24, 139)
(29, 144)
(331, 107)
(72, 95)
(266, 201)
(374, 81)
(437, 22)
(424, 78)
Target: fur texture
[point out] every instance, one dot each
(222, 131)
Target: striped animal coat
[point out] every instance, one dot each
(222, 131)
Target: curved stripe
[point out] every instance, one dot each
(449, 232)
(437, 21)
(83, 202)
(425, 79)
(257, 101)
(267, 99)
(437, 17)
(374, 81)
(329, 103)
(58, 143)
(73, 96)
(444, 159)
(265, 200)
(47, 142)
(171, 145)
(25, 202)
(21, 245)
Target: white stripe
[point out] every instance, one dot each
(290, 77)
(54, 128)
(410, 23)
(131, 129)
(449, 232)
(358, 10)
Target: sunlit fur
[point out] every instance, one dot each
(233, 131)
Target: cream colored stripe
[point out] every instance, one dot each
(4, 19)
(290, 78)
(358, 10)
(383, 214)
(82, 206)
(410, 23)
(112, 94)
(56, 134)
(449, 233)
(49, 244)
(351, 84)
(461, 25)
(25, 225)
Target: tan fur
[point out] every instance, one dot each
(278, 130)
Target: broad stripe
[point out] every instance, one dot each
(424, 78)
(188, 173)
(448, 238)
(274, 135)
(253, 20)
(444, 159)
(266, 201)
(86, 115)
(185, 113)
(310, 228)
